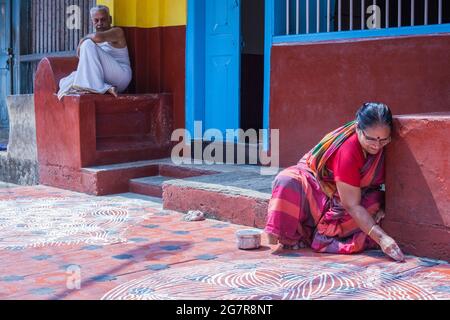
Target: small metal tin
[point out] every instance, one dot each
(248, 239)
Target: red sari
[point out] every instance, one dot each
(305, 205)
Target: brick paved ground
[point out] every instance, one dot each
(126, 247)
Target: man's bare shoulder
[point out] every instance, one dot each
(120, 36)
(119, 30)
(115, 36)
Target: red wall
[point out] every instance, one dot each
(318, 87)
(417, 185)
(158, 60)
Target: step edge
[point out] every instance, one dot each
(214, 187)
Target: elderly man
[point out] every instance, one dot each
(104, 63)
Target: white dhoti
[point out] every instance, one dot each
(100, 67)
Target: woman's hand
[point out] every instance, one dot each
(390, 248)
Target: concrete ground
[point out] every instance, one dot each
(57, 244)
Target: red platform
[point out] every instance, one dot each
(90, 130)
(417, 185)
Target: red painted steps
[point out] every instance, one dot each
(239, 197)
(126, 149)
(153, 185)
(149, 186)
(233, 193)
(115, 178)
(112, 179)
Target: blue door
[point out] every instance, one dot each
(5, 59)
(222, 65)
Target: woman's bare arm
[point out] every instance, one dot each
(351, 201)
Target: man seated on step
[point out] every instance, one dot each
(104, 63)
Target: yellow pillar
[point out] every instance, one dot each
(147, 13)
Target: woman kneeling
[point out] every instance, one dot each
(332, 200)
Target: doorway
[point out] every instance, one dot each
(225, 65)
(252, 64)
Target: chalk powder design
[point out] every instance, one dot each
(283, 279)
(59, 221)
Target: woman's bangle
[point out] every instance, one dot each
(371, 229)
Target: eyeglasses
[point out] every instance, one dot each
(372, 141)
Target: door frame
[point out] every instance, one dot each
(18, 30)
(9, 44)
(269, 31)
(195, 66)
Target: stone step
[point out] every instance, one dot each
(149, 186)
(233, 193)
(112, 179)
(237, 197)
(115, 178)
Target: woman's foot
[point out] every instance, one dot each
(300, 245)
(273, 239)
(290, 247)
(113, 91)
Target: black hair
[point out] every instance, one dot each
(373, 113)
